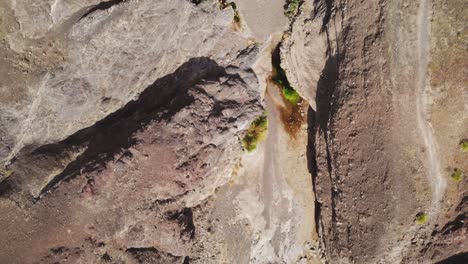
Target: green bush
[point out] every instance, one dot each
(255, 133)
(288, 92)
(5, 173)
(236, 17)
(292, 8)
(421, 218)
(236, 12)
(233, 5)
(464, 145)
(290, 95)
(456, 175)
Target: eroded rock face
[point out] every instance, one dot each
(311, 48)
(93, 74)
(117, 142)
(139, 172)
(382, 145)
(121, 120)
(446, 244)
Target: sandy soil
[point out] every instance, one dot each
(438, 182)
(262, 17)
(271, 192)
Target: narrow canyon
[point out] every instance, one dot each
(233, 131)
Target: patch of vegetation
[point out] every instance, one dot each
(290, 94)
(421, 218)
(292, 7)
(464, 145)
(287, 90)
(236, 17)
(457, 175)
(255, 133)
(279, 77)
(292, 111)
(5, 173)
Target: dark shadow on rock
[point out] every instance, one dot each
(323, 8)
(112, 135)
(461, 258)
(153, 255)
(460, 221)
(185, 219)
(327, 10)
(324, 100)
(325, 89)
(102, 6)
(5, 188)
(318, 122)
(312, 161)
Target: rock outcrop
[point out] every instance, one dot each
(122, 122)
(125, 133)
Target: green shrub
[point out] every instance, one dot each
(456, 175)
(236, 12)
(421, 218)
(464, 145)
(290, 95)
(236, 17)
(292, 8)
(255, 133)
(288, 92)
(5, 173)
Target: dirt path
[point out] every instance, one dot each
(271, 193)
(270, 167)
(422, 111)
(422, 108)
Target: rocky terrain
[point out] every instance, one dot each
(245, 131)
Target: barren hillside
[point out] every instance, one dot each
(243, 131)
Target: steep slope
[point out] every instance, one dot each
(123, 144)
(375, 143)
(211, 131)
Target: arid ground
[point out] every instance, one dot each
(243, 131)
